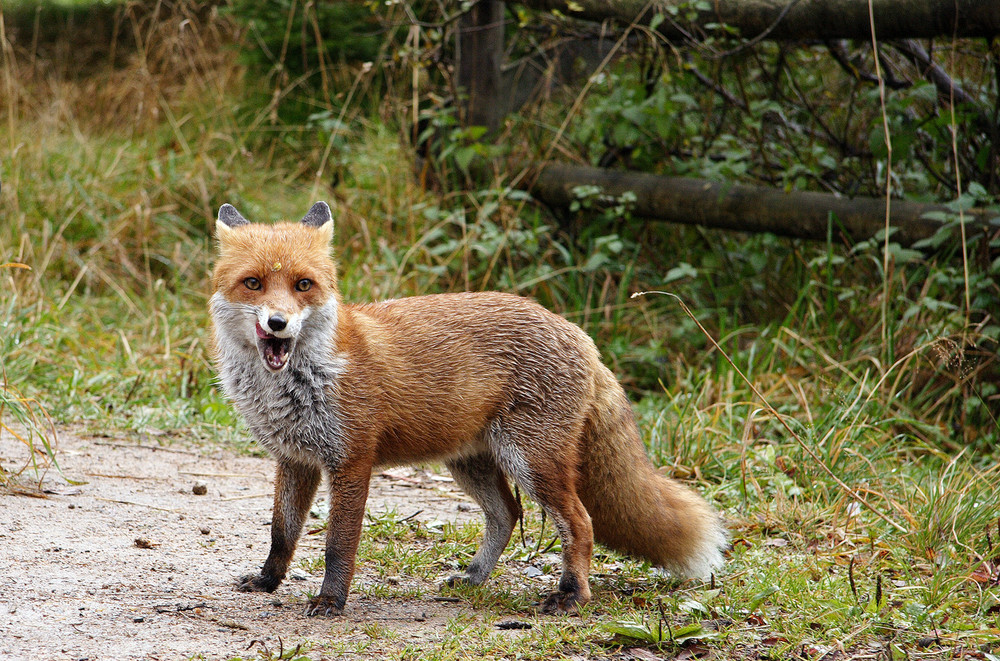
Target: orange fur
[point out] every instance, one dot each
(492, 384)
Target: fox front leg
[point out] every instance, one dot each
(295, 487)
(348, 494)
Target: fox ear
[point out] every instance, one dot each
(318, 215)
(230, 217)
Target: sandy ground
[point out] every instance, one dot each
(76, 584)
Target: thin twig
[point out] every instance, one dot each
(888, 177)
(943, 83)
(129, 502)
(838, 50)
(714, 86)
(154, 448)
(246, 497)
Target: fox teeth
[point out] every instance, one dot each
(274, 350)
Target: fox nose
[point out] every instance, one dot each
(277, 322)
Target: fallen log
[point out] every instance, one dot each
(745, 208)
(798, 19)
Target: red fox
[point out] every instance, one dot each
(494, 385)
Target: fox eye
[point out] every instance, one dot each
(305, 284)
(252, 283)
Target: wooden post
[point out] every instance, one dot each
(480, 53)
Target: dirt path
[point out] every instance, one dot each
(76, 584)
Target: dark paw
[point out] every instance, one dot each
(257, 583)
(563, 603)
(457, 580)
(474, 574)
(324, 605)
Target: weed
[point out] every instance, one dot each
(265, 653)
(24, 418)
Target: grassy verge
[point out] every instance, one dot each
(26, 419)
(862, 500)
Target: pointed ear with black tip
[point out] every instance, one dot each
(318, 215)
(229, 220)
(230, 217)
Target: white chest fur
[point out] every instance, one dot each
(293, 412)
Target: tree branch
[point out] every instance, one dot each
(947, 90)
(744, 208)
(793, 20)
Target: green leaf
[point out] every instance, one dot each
(475, 132)
(759, 598)
(692, 632)
(903, 255)
(976, 190)
(637, 630)
(595, 261)
(692, 606)
(679, 272)
(463, 157)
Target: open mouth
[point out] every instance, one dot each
(273, 349)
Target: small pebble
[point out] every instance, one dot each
(199, 489)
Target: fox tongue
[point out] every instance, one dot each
(275, 352)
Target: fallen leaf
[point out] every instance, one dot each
(695, 651)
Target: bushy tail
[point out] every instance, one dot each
(634, 509)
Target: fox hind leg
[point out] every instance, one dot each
(543, 459)
(480, 477)
(572, 523)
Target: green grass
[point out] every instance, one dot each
(861, 498)
(803, 578)
(25, 418)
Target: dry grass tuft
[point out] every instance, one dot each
(117, 68)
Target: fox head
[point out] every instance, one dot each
(273, 284)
